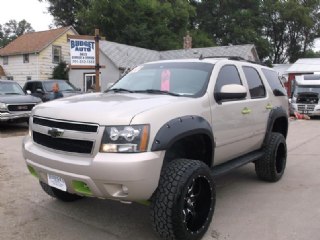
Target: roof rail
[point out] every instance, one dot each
(236, 58)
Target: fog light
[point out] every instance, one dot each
(125, 189)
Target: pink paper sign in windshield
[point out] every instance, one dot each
(165, 80)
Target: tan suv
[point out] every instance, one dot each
(162, 134)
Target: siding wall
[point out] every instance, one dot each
(108, 75)
(40, 65)
(19, 70)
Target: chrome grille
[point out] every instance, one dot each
(63, 135)
(306, 107)
(20, 107)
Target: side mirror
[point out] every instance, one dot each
(231, 92)
(28, 92)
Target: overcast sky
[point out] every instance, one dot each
(32, 11)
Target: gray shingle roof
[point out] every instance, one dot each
(125, 56)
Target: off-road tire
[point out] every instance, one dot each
(183, 204)
(58, 194)
(272, 165)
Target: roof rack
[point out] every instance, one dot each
(236, 58)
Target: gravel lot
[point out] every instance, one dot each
(247, 209)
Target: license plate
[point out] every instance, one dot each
(57, 182)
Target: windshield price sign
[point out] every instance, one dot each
(82, 52)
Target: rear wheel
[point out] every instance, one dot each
(61, 195)
(183, 204)
(272, 165)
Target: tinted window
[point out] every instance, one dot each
(255, 84)
(228, 75)
(274, 82)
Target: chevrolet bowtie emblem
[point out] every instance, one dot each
(55, 132)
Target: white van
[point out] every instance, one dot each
(306, 93)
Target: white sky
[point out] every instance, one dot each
(32, 11)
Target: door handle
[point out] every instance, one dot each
(246, 110)
(269, 106)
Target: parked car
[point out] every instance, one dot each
(43, 88)
(161, 134)
(15, 105)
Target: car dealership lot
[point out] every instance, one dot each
(246, 207)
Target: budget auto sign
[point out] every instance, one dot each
(82, 52)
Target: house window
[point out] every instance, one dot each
(56, 54)
(5, 60)
(9, 78)
(25, 58)
(29, 78)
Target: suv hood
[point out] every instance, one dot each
(104, 108)
(16, 99)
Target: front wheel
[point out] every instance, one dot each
(183, 204)
(272, 165)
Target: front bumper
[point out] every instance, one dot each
(10, 116)
(124, 177)
(308, 109)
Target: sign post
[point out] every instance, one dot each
(84, 53)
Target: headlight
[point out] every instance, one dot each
(125, 139)
(3, 107)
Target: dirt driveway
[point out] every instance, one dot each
(246, 209)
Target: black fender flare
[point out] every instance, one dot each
(179, 128)
(275, 114)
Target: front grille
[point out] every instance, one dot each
(20, 107)
(308, 107)
(63, 144)
(81, 127)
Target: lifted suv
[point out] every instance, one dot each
(161, 134)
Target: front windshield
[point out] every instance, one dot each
(63, 86)
(307, 89)
(183, 78)
(10, 88)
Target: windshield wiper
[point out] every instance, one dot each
(157, 91)
(116, 90)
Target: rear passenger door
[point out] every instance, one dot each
(259, 104)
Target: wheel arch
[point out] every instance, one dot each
(277, 122)
(186, 137)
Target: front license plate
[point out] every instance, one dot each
(57, 182)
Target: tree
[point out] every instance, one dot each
(60, 71)
(13, 29)
(65, 12)
(153, 24)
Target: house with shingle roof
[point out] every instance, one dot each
(118, 58)
(33, 55)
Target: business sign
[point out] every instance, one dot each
(82, 52)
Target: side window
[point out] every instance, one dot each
(274, 82)
(38, 85)
(56, 54)
(228, 75)
(29, 86)
(256, 87)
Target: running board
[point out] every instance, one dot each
(235, 163)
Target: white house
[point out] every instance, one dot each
(33, 56)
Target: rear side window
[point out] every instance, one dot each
(274, 82)
(256, 87)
